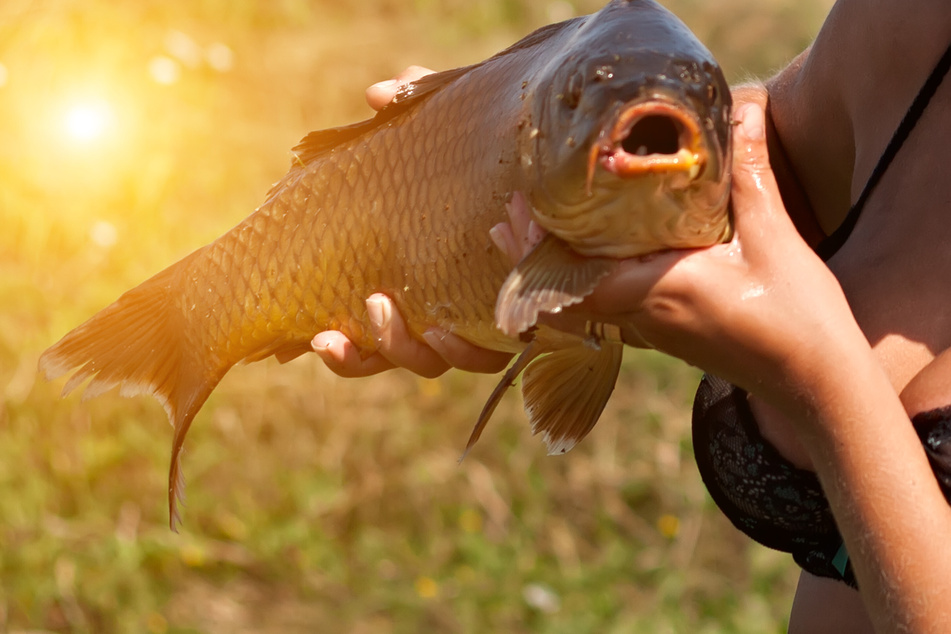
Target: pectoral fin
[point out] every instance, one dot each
(566, 391)
(549, 278)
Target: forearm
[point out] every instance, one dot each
(892, 514)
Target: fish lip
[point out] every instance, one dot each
(608, 153)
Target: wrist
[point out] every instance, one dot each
(822, 375)
(839, 392)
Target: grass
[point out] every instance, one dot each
(315, 503)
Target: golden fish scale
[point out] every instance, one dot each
(405, 210)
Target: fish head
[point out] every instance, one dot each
(629, 139)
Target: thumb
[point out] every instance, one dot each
(756, 199)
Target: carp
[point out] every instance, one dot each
(613, 127)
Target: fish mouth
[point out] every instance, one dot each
(650, 137)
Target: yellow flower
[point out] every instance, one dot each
(668, 525)
(426, 587)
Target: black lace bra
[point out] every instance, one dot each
(767, 497)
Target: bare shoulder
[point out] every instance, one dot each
(868, 41)
(836, 105)
(888, 49)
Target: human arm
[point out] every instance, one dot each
(766, 313)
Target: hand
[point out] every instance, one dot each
(398, 348)
(758, 311)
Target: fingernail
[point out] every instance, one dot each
(434, 335)
(322, 348)
(384, 84)
(497, 238)
(378, 311)
(535, 233)
(435, 339)
(752, 121)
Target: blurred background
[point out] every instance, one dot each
(133, 132)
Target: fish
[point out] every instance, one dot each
(613, 128)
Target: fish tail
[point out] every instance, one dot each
(141, 344)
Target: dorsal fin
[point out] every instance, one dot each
(317, 143)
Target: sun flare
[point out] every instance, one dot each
(88, 121)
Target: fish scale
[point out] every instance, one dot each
(346, 198)
(403, 203)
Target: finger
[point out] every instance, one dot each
(535, 234)
(513, 247)
(525, 230)
(504, 239)
(463, 355)
(382, 93)
(412, 73)
(756, 195)
(624, 290)
(440, 351)
(754, 92)
(593, 327)
(343, 358)
(397, 344)
(517, 237)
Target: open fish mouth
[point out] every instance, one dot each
(650, 137)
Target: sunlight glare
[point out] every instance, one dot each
(220, 57)
(164, 70)
(88, 121)
(104, 234)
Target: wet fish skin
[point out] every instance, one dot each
(400, 204)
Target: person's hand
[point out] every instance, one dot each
(398, 348)
(751, 311)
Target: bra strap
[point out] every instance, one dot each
(828, 247)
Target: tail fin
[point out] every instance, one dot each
(141, 345)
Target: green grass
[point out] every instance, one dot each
(314, 503)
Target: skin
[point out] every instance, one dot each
(837, 355)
